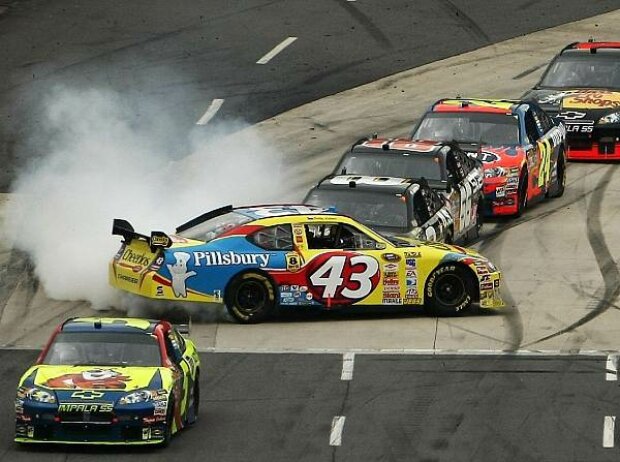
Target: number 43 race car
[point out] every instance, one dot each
(256, 259)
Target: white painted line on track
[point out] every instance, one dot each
(407, 351)
(215, 106)
(335, 435)
(608, 431)
(277, 49)
(611, 369)
(348, 360)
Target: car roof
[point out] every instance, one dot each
(123, 325)
(591, 47)
(398, 145)
(378, 184)
(480, 105)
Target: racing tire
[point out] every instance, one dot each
(560, 177)
(250, 298)
(522, 195)
(449, 291)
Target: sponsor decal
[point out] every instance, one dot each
(394, 282)
(303, 288)
(486, 286)
(87, 394)
(229, 258)
(308, 296)
(179, 273)
(412, 282)
(411, 274)
(298, 230)
(592, 99)
(496, 283)
(133, 257)
(293, 262)
(288, 300)
(160, 291)
(390, 274)
(285, 287)
(160, 239)
(390, 257)
(91, 379)
(299, 239)
(295, 288)
(413, 254)
(286, 294)
(85, 408)
(410, 263)
(158, 411)
(411, 292)
(126, 278)
(500, 191)
(390, 267)
(571, 115)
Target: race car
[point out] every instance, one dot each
(444, 166)
(109, 381)
(581, 88)
(256, 259)
(391, 206)
(521, 148)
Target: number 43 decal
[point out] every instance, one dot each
(342, 278)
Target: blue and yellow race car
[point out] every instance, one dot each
(109, 381)
(256, 259)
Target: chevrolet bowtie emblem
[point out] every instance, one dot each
(87, 394)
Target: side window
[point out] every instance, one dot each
(279, 237)
(337, 236)
(180, 340)
(172, 348)
(455, 167)
(545, 120)
(531, 129)
(420, 208)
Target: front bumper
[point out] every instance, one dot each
(490, 293)
(37, 423)
(500, 197)
(602, 144)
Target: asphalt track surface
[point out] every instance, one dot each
(401, 408)
(281, 407)
(175, 58)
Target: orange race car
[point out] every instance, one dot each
(521, 147)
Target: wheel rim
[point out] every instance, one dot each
(251, 297)
(450, 289)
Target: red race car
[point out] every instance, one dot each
(581, 88)
(521, 147)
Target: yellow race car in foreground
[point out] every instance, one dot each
(109, 381)
(255, 259)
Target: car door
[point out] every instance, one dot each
(550, 144)
(347, 266)
(466, 185)
(181, 371)
(433, 214)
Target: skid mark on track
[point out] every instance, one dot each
(604, 259)
(366, 23)
(468, 23)
(514, 334)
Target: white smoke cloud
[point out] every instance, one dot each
(99, 164)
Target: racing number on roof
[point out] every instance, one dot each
(342, 278)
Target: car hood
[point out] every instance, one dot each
(110, 378)
(603, 101)
(499, 156)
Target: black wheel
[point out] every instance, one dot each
(522, 195)
(250, 298)
(560, 177)
(449, 291)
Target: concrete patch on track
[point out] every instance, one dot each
(549, 265)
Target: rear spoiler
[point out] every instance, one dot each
(157, 239)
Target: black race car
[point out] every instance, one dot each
(391, 206)
(581, 87)
(444, 166)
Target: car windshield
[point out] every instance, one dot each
(470, 127)
(591, 71)
(103, 349)
(391, 164)
(215, 227)
(371, 208)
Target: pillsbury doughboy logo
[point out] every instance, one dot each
(179, 273)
